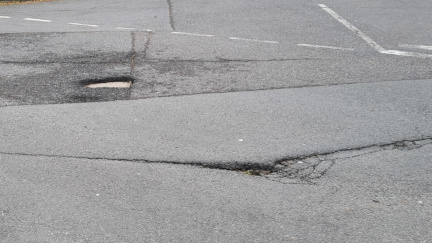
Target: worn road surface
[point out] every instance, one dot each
(245, 121)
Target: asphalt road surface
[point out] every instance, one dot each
(245, 121)
(49, 49)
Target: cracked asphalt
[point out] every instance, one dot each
(378, 196)
(246, 121)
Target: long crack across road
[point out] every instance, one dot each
(301, 170)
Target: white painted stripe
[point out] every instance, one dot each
(5, 17)
(327, 47)
(371, 42)
(406, 53)
(351, 27)
(110, 85)
(417, 46)
(185, 33)
(244, 39)
(38, 20)
(89, 25)
(123, 28)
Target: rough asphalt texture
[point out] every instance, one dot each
(233, 130)
(41, 68)
(217, 140)
(377, 197)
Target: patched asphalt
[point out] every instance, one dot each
(330, 145)
(49, 68)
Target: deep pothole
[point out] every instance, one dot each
(123, 82)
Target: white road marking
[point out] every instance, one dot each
(110, 85)
(417, 47)
(406, 53)
(366, 38)
(327, 47)
(347, 24)
(351, 27)
(89, 25)
(123, 28)
(263, 41)
(38, 20)
(185, 33)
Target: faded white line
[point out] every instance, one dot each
(406, 53)
(38, 20)
(254, 40)
(123, 28)
(416, 47)
(110, 85)
(351, 27)
(5, 17)
(89, 25)
(327, 47)
(194, 34)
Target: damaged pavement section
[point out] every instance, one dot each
(377, 197)
(308, 168)
(47, 68)
(240, 131)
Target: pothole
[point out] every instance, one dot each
(111, 82)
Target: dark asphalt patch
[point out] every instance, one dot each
(60, 83)
(48, 68)
(53, 68)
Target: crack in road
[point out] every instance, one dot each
(133, 52)
(57, 62)
(307, 168)
(224, 60)
(171, 14)
(300, 170)
(147, 45)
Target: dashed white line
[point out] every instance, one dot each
(110, 85)
(5, 17)
(123, 28)
(351, 27)
(327, 47)
(416, 47)
(254, 40)
(89, 25)
(38, 20)
(194, 34)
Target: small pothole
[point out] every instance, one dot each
(111, 82)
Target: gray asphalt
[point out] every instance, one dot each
(206, 129)
(377, 197)
(41, 68)
(257, 139)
